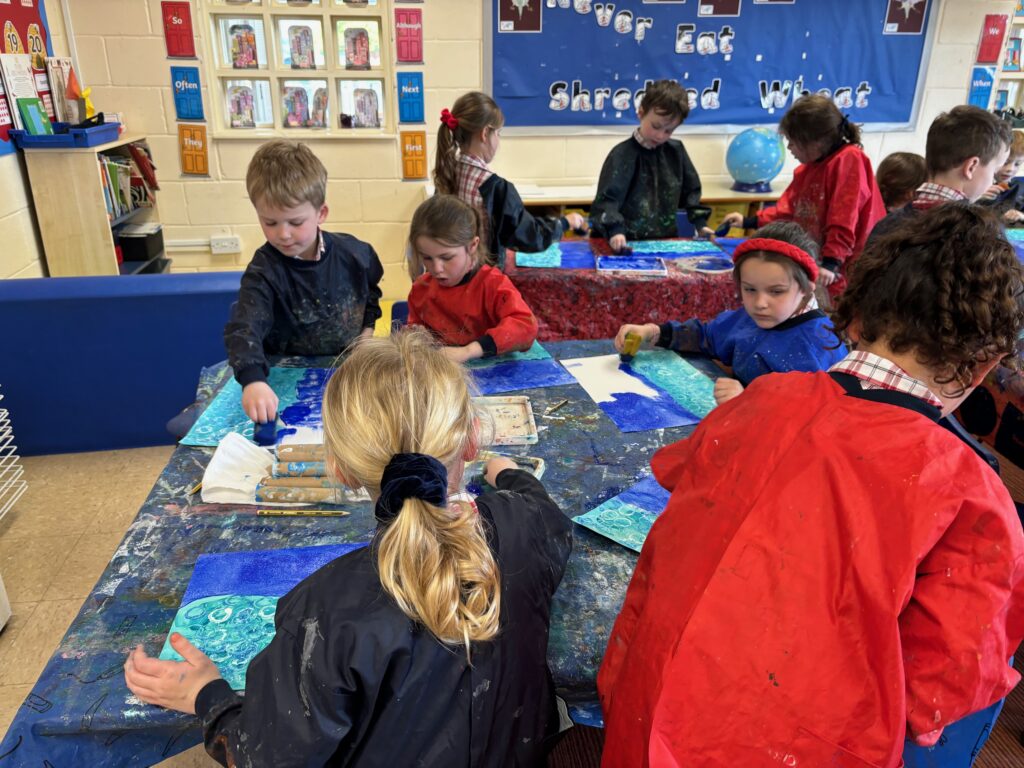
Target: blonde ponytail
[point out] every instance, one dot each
(400, 395)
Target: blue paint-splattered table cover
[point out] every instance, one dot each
(79, 712)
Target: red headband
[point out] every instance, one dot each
(449, 119)
(799, 255)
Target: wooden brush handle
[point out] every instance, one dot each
(300, 452)
(298, 482)
(299, 469)
(300, 495)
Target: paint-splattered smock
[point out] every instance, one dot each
(640, 190)
(833, 571)
(349, 680)
(485, 307)
(289, 306)
(837, 202)
(801, 343)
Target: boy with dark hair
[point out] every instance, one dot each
(965, 148)
(306, 291)
(649, 176)
(835, 572)
(898, 177)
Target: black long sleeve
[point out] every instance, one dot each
(511, 225)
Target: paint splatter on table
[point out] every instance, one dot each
(585, 304)
(79, 712)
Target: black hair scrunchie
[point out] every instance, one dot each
(410, 476)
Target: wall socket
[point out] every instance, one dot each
(225, 244)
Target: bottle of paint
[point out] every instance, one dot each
(630, 346)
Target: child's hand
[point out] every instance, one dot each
(649, 332)
(495, 467)
(471, 351)
(170, 684)
(992, 192)
(726, 390)
(1013, 217)
(576, 221)
(259, 402)
(617, 243)
(733, 219)
(707, 232)
(826, 276)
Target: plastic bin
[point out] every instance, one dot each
(65, 137)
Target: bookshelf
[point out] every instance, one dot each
(1006, 90)
(68, 192)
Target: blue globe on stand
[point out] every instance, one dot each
(754, 158)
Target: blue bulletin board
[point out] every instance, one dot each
(578, 63)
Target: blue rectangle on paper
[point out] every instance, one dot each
(188, 98)
(525, 374)
(410, 97)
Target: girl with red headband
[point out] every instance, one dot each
(467, 140)
(779, 328)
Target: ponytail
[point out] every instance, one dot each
(469, 115)
(849, 132)
(401, 395)
(815, 118)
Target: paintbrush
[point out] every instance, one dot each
(283, 512)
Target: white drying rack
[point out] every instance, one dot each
(12, 481)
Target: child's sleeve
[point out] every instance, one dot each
(302, 706)
(849, 188)
(697, 336)
(374, 273)
(612, 187)
(965, 617)
(252, 317)
(515, 226)
(516, 326)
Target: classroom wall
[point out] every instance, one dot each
(122, 56)
(22, 251)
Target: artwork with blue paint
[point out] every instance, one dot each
(658, 389)
(729, 244)
(535, 352)
(1015, 234)
(228, 608)
(516, 375)
(628, 517)
(633, 265)
(566, 254)
(300, 393)
(673, 248)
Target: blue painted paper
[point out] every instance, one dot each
(566, 254)
(535, 352)
(684, 383)
(673, 248)
(229, 606)
(300, 394)
(654, 266)
(729, 244)
(628, 517)
(517, 375)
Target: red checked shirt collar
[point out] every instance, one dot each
(877, 372)
(930, 194)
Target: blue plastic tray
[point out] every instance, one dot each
(65, 136)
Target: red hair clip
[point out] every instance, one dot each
(449, 119)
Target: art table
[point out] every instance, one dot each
(580, 303)
(79, 712)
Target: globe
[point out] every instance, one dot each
(754, 158)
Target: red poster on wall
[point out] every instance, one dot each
(24, 31)
(409, 34)
(181, 43)
(992, 38)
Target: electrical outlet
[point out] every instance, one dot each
(226, 244)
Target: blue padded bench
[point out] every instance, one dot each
(97, 363)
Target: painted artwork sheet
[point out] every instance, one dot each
(1016, 237)
(568, 254)
(673, 249)
(300, 393)
(643, 266)
(228, 608)
(628, 517)
(658, 389)
(514, 371)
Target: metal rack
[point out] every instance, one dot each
(12, 481)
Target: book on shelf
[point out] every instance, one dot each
(1011, 60)
(58, 68)
(34, 117)
(19, 83)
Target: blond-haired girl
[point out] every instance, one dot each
(472, 307)
(467, 140)
(429, 646)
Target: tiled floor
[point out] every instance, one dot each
(60, 535)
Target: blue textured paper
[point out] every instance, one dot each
(642, 264)
(628, 517)
(729, 244)
(228, 608)
(299, 392)
(683, 383)
(568, 254)
(673, 248)
(535, 352)
(521, 374)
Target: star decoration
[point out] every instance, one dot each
(907, 6)
(520, 5)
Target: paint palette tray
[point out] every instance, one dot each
(474, 476)
(512, 417)
(629, 265)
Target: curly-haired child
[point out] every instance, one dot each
(835, 572)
